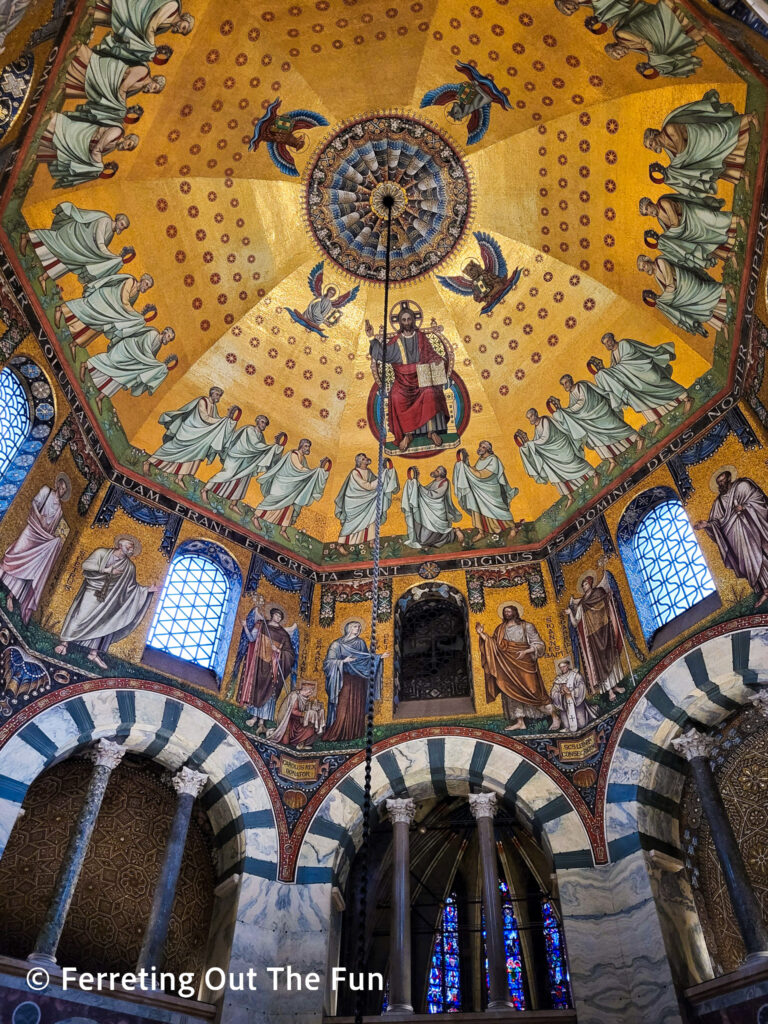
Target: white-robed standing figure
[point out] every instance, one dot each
(689, 298)
(131, 364)
(106, 84)
(429, 510)
(135, 25)
(75, 150)
(77, 242)
(356, 501)
(552, 457)
(289, 486)
(569, 696)
(29, 561)
(696, 230)
(738, 524)
(590, 421)
(484, 492)
(249, 454)
(640, 378)
(105, 307)
(110, 602)
(194, 434)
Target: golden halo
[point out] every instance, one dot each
(723, 469)
(509, 604)
(594, 573)
(354, 618)
(266, 608)
(67, 482)
(388, 188)
(134, 540)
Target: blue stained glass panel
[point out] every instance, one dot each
(515, 975)
(14, 419)
(556, 965)
(444, 989)
(190, 614)
(671, 562)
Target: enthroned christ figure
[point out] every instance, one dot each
(417, 403)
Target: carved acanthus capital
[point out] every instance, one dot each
(401, 810)
(106, 754)
(693, 744)
(759, 701)
(483, 805)
(188, 781)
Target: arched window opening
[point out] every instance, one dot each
(449, 967)
(432, 653)
(14, 418)
(110, 910)
(669, 578)
(672, 564)
(444, 992)
(26, 419)
(195, 613)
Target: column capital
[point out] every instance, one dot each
(483, 805)
(187, 780)
(693, 744)
(401, 809)
(106, 754)
(759, 701)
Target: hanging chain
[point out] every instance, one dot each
(362, 938)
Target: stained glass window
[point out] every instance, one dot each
(672, 565)
(14, 418)
(444, 990)
(190, 614)
(512, 949)
(556, 965)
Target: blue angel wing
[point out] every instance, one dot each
(260, 128)
(307, 119)
(492, 256)
(486, 84)
(242, 644)
(623, 614)
(478, 124)
(282, 159)
(440, 96)
(459, 285)
(293, 633)
(315, 279)
(349, 296)
(574, 645)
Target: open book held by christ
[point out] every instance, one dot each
(431, 375)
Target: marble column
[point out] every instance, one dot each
(106, 756)
(401, 813)
(696, 747)
(188, 784)
(483, 807)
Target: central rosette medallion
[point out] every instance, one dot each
(400, 156)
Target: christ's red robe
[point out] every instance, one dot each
(411, 407)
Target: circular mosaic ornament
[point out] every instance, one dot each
(383, 154)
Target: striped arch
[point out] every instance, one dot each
(435, 766)
(701, 685)
(167, 727)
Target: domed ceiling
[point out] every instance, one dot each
(512, 146)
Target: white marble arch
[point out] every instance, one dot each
(702, 687)
(643, 898)
(172, 731)
(466, 764)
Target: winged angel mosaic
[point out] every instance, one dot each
(489, 283)
(280, 134)
(326, 306)
(470, 101)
